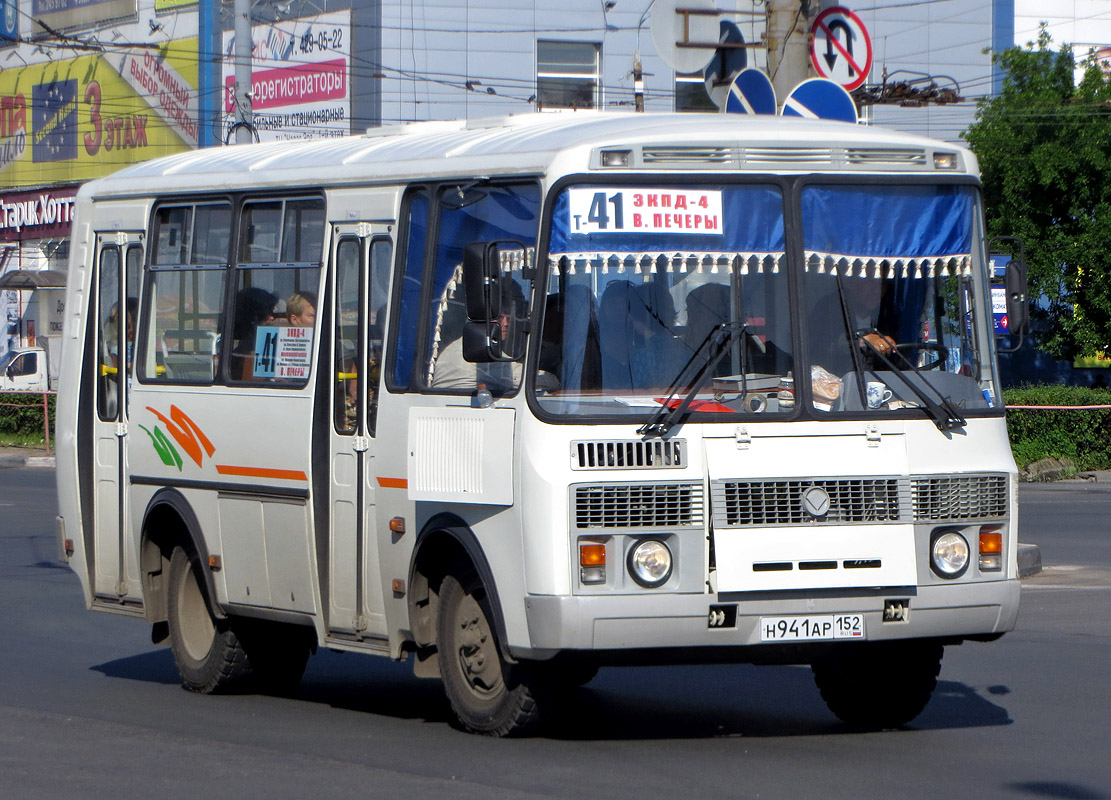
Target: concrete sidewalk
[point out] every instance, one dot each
(26, 457)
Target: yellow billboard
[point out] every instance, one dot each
(71, 120)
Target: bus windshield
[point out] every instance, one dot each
(891, 282)
(639, 277)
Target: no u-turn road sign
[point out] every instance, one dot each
(840, 48)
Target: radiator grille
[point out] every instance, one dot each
(875, 500)
(773, 503)
(639, 505)
(629, 454)
(959, 497)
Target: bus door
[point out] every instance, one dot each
(361, 259)
(118, 269)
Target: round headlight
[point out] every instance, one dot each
(950, 554)
(650, 563)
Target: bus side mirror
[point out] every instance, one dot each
(480, 342)
(482, 281)
(1018, 305)
(1014, 286)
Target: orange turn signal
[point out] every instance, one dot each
(592, 555)
(991, 541)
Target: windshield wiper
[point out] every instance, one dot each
(944, 414)
(942, 411)
(714, 346)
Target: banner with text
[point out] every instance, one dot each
(300, 77)
(77, 119)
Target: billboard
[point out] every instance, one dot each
(61, 14)
(76, 119)
(9, 22)
(299, 80)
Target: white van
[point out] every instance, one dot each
(24, 370)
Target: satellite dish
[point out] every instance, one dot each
(673, 33)
(820, 98)
(751, 93)
(726, 64)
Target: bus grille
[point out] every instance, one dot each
(639, 505)
(959, 497)
(893, 156)
(629, 454)
(774, 503)
(689, 155)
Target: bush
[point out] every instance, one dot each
(1081, 435)
(21, 419)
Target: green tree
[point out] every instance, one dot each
(1044, 146)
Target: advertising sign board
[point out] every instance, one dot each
(300, 78)
(71, 120)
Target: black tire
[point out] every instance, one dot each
(876, 685)
(277, 653)
(487, 694)
(209, 655)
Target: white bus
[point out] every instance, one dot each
(519, 398)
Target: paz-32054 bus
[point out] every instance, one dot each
(519, 398)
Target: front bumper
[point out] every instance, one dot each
(647, 622)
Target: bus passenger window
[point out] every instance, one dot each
(185, 293)
(276, 286)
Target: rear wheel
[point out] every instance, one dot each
(488, 694)
(879, 684)
(209, 655)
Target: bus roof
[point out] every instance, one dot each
(537, 143)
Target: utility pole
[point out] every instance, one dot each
(244, 116)
(788, 40)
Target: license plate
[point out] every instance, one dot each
(822, 626)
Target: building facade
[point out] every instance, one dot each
(89, 86)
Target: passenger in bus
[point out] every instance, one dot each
(637, 331)
(869, 321)
(254, 306)
(300, 309)
(131, 312)
(451, 371)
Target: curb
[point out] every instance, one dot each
(1029, 560)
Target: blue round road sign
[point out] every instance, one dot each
(820, 98)
(751, 93)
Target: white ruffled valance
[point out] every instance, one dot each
(670, 261)
(958, 264)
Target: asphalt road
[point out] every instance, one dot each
(90, 709)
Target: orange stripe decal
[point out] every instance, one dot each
(393, 483)
(262, 472)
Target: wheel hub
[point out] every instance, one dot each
(477, 652)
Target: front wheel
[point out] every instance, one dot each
(208, 654)
(877, 685)
(487, 694)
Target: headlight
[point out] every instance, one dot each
(949, 554)
(650, 563)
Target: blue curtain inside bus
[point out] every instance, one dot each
(888, 221)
